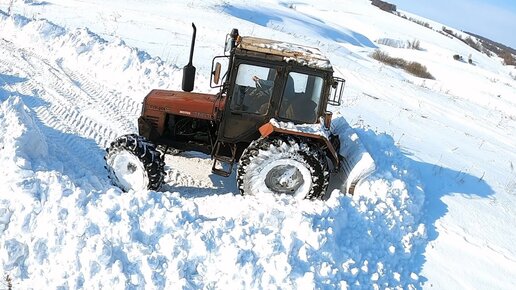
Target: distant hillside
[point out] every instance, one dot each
(482, 44)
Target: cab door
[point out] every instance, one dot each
(250, 102)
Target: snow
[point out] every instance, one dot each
(436, 211)
(303, 55)
(315, 129)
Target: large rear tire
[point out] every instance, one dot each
(283, 165)
(134, 163)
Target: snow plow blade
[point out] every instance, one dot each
(356, 162)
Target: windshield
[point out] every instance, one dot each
(253, 89)
(301, 97)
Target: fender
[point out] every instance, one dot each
(273, 127)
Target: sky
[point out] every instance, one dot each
(494, 19)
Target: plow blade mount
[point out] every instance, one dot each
(356, 162)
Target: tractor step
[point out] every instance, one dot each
(223, 164)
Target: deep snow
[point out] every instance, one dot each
(436, 213)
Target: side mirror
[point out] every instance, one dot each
(216, 73)
(336, 91)
(216, 76)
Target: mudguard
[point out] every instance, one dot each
(316, 132)
(352, 158)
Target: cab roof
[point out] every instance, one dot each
(303, 55)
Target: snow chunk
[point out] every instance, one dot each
(13, 255)
(20, 137)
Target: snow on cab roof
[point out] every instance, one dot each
(303, 55)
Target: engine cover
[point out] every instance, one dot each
(158, 103)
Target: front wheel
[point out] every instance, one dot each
(134, 163)
(283, 165)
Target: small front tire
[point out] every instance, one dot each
(134, 163)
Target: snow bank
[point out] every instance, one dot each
(57, 234)
(153, 240)
(112, 62)
(19, 135)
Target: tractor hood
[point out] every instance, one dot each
(195, 105)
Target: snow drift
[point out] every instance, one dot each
(65, 228)
(441, 197)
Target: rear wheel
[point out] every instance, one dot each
(283, 165)
(134, 163)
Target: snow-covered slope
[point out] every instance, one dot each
(438, 212)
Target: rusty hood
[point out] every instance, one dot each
(195, 105)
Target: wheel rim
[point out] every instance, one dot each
(284, 179)
(128, 171)
(287, 176)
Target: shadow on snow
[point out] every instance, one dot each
(79, 158)
(373, 237)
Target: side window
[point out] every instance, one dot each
(301, 97)
(253, 89)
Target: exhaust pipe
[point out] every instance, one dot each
(189, 69)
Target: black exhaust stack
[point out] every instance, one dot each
(189, 69)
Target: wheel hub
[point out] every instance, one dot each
(284, 179)
(128, 171)
(131, 168)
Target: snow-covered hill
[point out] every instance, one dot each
(437, 213)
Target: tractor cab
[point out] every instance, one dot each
(271, 80)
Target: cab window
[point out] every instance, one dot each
(301, 97)
(253, 89)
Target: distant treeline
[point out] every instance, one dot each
(385, 6)
(503, 51)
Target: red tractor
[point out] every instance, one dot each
(270, 116)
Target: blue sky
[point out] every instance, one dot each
(494, 19)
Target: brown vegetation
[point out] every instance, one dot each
(418, 70)
(508, 58)
(411, 67)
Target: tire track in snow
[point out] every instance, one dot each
(57, 124)
(69, 96)
(93, 95)
(123, 110)
(63, 109)
(72, 95)
(66, 88)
